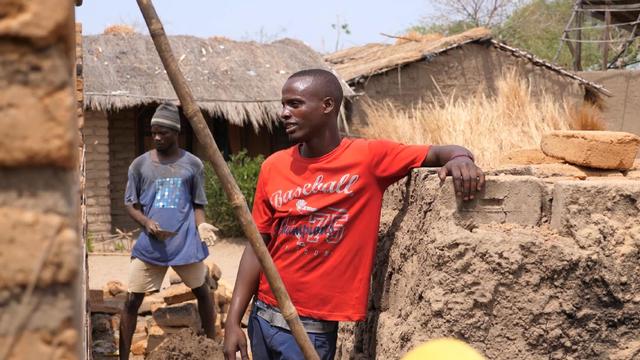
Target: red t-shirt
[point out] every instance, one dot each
(323, 215)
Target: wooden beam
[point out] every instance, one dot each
(605, 36)
(577, 56)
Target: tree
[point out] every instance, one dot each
(535, 26)
(340, 27)
(487, 13)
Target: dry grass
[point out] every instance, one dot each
(419, 37)
(120, 29)
(488, 126)
(586, 117)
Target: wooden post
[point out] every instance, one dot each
(193, 113)
(577, 58)
(605, 37)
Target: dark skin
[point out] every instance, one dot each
(310, 118)
(166, 149)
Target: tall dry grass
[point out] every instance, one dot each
(490, 127)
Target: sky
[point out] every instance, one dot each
(309, 21)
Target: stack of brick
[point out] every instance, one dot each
(40, 311)
(161, 314)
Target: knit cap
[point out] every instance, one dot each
(167, 115)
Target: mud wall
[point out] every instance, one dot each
(122, 152)
(40, 252)
(537, 268)
(98, 190)
(458, 73)
(623, 107)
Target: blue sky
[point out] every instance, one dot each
(252, 19)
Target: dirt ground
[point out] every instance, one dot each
(225, 253)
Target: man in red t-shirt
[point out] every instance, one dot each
(317, 206)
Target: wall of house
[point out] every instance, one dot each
(39, 212)
(622, 110)
(97, 183)
(458, 73)
(122, 151)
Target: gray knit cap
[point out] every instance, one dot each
(167, 115)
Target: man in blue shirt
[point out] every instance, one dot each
(165, 195)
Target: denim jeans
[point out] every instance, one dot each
(274, 343)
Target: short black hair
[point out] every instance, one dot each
(330, 85)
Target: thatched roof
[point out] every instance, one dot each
(240, 81)
(372, 59)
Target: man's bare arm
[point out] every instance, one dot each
(199, 214)
(136, 214)
(458, 162)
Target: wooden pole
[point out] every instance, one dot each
(606, 37)
(193, 113)
(577, 57)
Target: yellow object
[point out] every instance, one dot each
(444, 349)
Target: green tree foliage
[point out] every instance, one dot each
(219, 211)
(537, 26)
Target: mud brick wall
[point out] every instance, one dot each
(534, 268)
(122, 137)
(621, 109)
(41, 253)
(98, 198)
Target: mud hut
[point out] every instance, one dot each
(236, 84)
(622, 108)
(436, 68)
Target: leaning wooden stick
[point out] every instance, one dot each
(193, 113)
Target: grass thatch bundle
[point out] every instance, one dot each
(489, 126)
(418, 37)
(119, 29)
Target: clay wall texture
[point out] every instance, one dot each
(538, 267)
(41, 254)
(122, 151)
(622, 111)
(97, 191)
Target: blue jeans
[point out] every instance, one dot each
(274, 343)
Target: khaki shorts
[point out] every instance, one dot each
(145, 277)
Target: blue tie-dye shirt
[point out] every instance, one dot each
(167, 191)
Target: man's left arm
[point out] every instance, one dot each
(458, 162)
(199, 214)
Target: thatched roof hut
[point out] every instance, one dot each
(361, 62)
(435, 69)
(239, 81)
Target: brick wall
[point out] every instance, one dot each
(38, 182)
(97, 189)
(122, 133)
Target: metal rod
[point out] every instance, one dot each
(229, 185)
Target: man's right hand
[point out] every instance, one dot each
(151, 227)
(234, 341)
